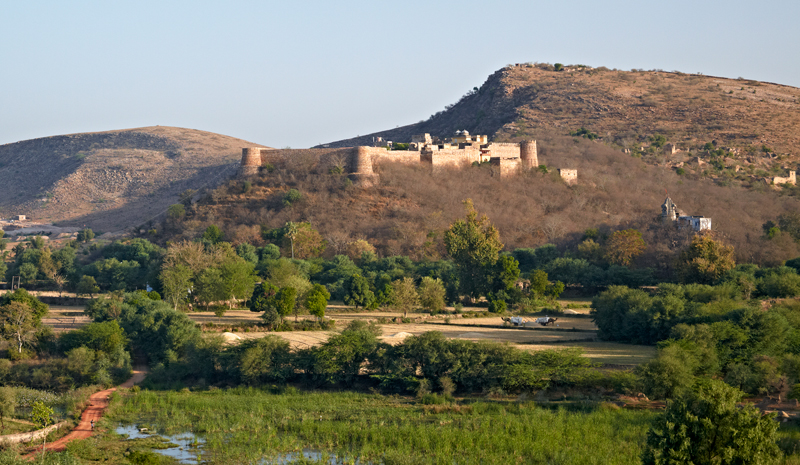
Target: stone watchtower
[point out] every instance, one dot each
(361, 172)
(251, 161)
(528, 154)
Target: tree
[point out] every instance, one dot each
(358, 293)
(28, 273)
(19, 323)
(474, 244)
(624, 246)
(539, 282)
(212, 234)
(705, 426)
(247, 252)
(42, 417)
(46, 265)
(85, 235)
(176, 281)
(308, 242)
(59, 280)
(497, 306)
(8, 404)
(285, 300)
(176, 211)
(317, 300)
(658, 140)
(505, 273)
(263, 301)
(404, 295)
(265, 360)
(87, 285)
(291, 233)
(237, 278)
(431, 294)
(706, 260)
(291, 196)
(356, 249)
(209, 287)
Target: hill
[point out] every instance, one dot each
(409, 209)
(111, 180)
(753, 127)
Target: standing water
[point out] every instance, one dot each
(188, 449)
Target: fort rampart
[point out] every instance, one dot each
(359, 163)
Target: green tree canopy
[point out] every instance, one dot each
(358, 293)
(85, 235)
(212, 234)
(474, 244)
(87, 286)
(317, 300)
(176, 211)
(706, 427)
(404, 296)
(431, 294)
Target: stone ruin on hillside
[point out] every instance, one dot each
(671, 212)
(791, 179)
(463, 149)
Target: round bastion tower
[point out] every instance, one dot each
(528, 154)
(251, 161)
(361, 167)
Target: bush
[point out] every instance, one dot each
(497, 306)
(291, 196)
(705, 426)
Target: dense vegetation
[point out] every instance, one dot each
(243, 425)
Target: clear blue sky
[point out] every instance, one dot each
(302, 73)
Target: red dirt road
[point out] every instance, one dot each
(98, 402)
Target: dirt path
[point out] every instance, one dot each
(98, 403)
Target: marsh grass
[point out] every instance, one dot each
(244, 425)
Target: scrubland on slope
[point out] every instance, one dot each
(408, 210)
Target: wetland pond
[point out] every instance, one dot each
(188, 448)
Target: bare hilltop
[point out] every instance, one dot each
(111, 180)
(750, 124)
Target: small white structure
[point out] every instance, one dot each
(671, 212)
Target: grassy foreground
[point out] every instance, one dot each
(245, 425)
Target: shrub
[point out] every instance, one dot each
(706, 426)
(291, 196)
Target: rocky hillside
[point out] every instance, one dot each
(754, 127)
(112, 180)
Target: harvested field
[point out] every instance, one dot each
(575, 331)
(607, 353)
(65, 318)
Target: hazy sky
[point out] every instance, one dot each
(300, 73)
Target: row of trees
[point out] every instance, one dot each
(705, 331)
(356, 356)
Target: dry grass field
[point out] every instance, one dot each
(569, 331)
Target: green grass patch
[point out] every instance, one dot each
(244, 425)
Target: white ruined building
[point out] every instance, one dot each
(671, 212)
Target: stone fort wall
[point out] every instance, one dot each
(450, 158)
(355, 161)
(359, 163)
